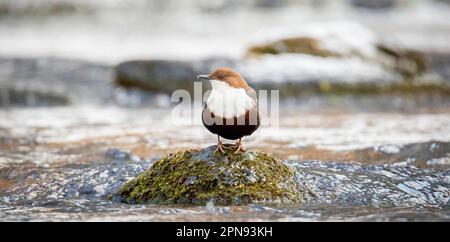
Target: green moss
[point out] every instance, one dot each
(298, 45)
(408, 62)
(198, 176)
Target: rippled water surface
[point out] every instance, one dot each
(59, 168)
(337, 191)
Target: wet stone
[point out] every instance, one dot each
(204, 175)
(38, 82)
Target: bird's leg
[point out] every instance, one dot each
(239, 146)
(219, 145)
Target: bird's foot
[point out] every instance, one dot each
(219, 147)
(239, 148)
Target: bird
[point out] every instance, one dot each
(231, 110)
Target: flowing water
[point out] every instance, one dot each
(70, 137)
(59, 166)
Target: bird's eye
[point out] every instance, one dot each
(221, 76)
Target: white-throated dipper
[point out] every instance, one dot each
(231, 110)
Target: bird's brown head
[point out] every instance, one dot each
(227, 75)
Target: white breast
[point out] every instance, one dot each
(226, 101)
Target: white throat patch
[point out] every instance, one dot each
(227, 101)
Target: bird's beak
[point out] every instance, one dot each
(206, 77)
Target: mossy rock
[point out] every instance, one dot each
(297, 45)
(198, 176)
(407, 62)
